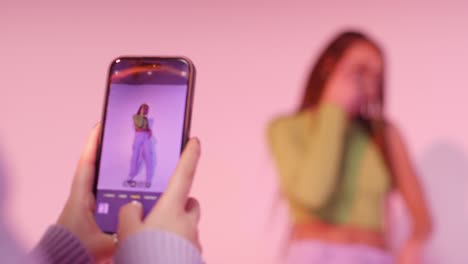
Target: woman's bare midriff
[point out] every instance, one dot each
(316, 230)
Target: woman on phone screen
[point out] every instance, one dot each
(142, 147)
(338, 158)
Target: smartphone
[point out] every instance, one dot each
(145, 126)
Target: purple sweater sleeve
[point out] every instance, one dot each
(157, 247)
(58, 246)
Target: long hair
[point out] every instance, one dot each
(326, 65)
(141, 107)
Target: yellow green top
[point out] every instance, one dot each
(140, 121)
(330, 168)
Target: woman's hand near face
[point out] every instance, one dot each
(343, 90)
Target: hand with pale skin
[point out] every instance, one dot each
(78, 213)
(175, 212)
(343, 89)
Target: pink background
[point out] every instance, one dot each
(166, 112)
(252, 57)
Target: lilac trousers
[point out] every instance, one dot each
(312, 252)
(142, 152)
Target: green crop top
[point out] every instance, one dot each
(140, 121)
(329, 168)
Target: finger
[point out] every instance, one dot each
(103, 246)
(84, 175)
(192, 208)
(88, 154)
(181, 181)
(198, 244)
(130, 217)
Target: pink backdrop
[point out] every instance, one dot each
(252, 57)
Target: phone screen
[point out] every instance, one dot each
(145, 125)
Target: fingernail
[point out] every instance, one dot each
(196, 139)
(136, 203)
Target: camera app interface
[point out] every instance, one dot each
(142, 135)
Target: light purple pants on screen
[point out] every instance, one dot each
(142, 152)
(312, 252)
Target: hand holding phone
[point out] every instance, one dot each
(146, 123)
(176, 212)
(77, 215)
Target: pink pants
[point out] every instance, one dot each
(142, 151)
(312, 252)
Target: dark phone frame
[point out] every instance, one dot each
(187, 112)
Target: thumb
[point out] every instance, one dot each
(130, 216)
(192, 209)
